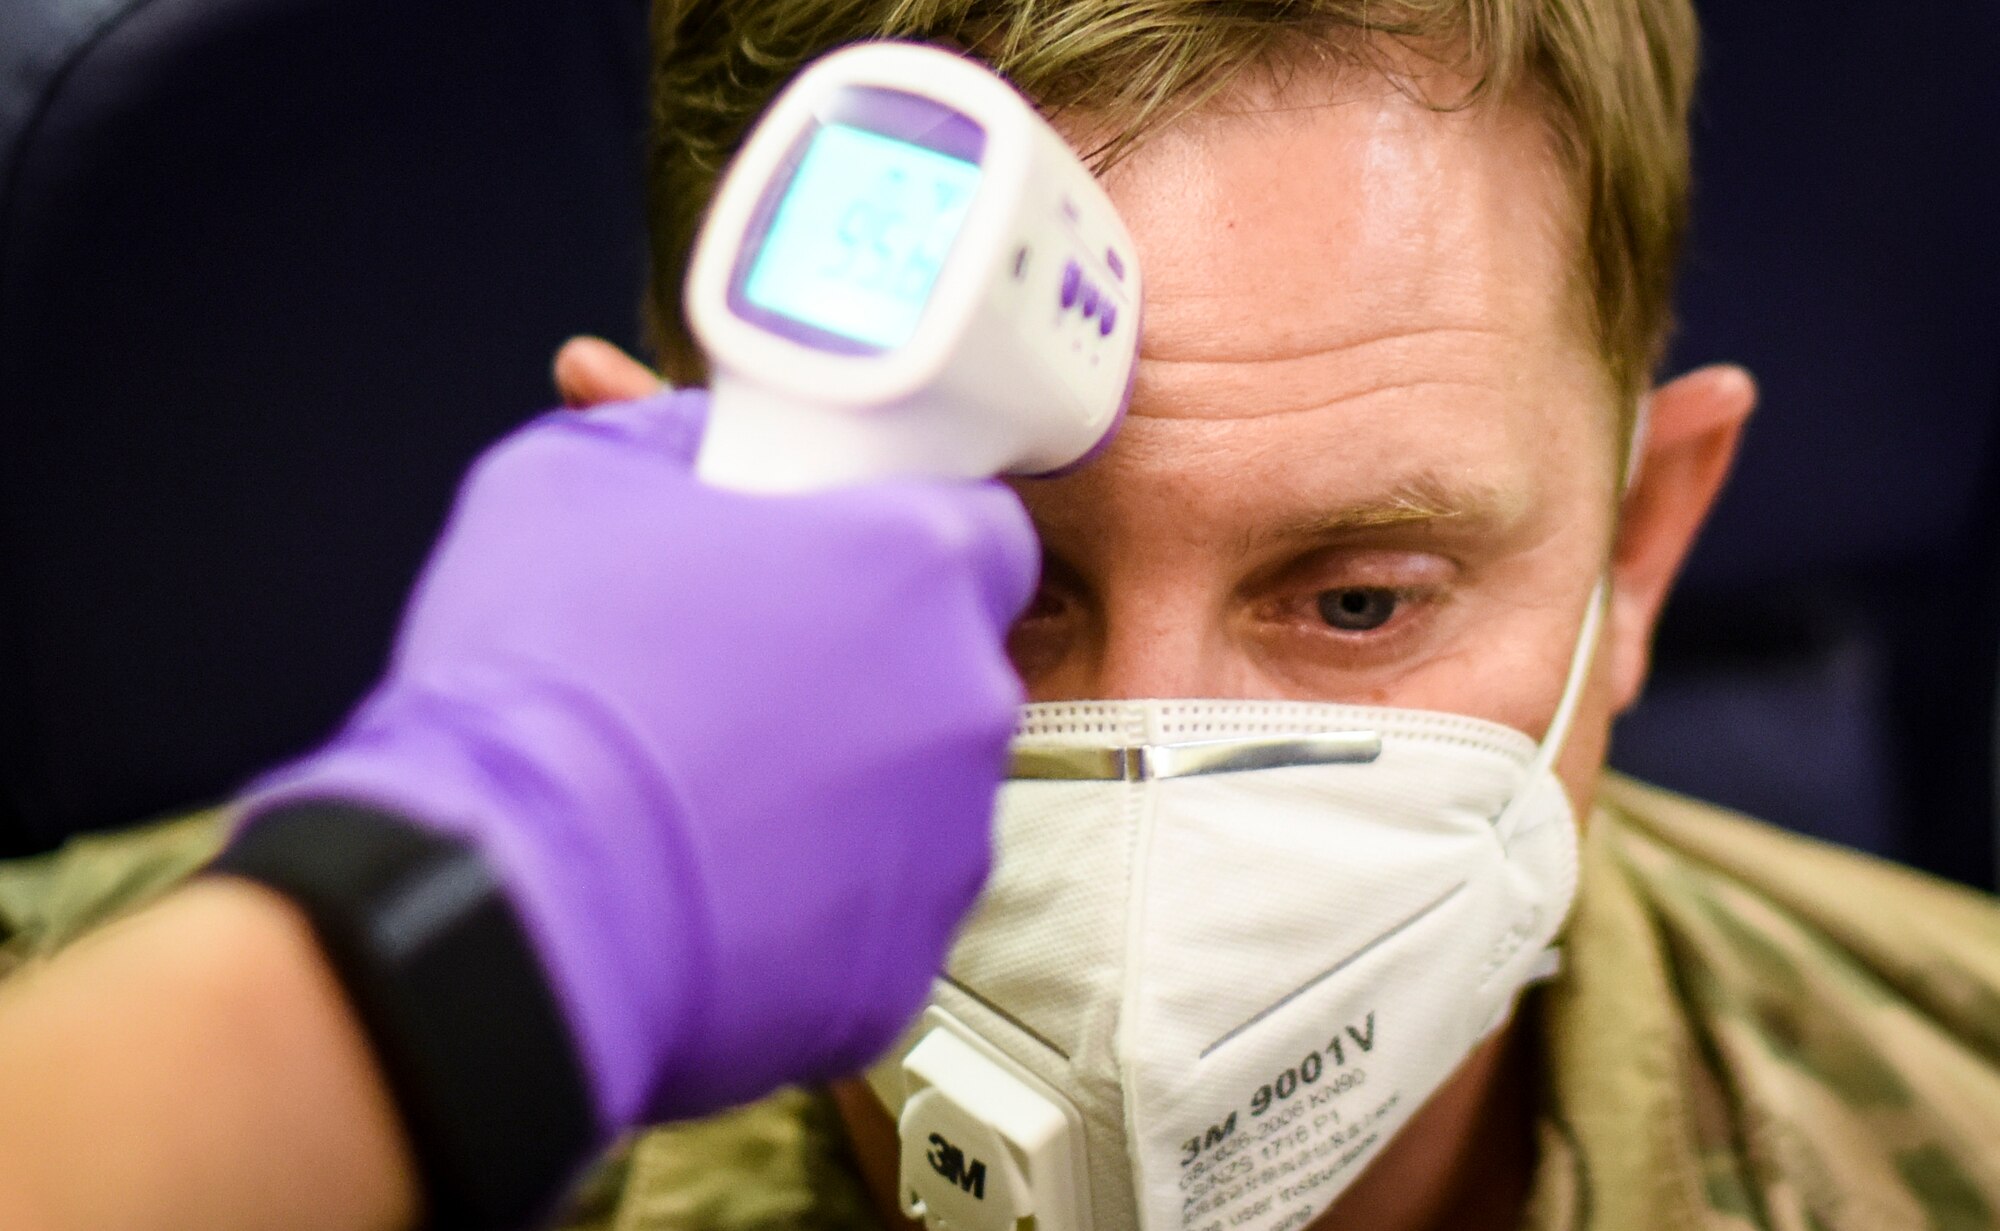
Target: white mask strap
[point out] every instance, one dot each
(1593, 615)
(1635, 448)
(1573, 686)
(1572, 696)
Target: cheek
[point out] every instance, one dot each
(1501, 666)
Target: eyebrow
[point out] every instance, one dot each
(1426, 499)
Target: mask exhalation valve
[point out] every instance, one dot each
(986, 1146)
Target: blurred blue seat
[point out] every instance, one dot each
(1830, 662)
(271, 272)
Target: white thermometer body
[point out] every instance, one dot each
(907, 271)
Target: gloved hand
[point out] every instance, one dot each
(734, 757)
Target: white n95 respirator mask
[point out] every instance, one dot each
(1229, 948)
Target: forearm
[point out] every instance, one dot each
(195, 1065)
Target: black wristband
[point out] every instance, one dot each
(476, 1052)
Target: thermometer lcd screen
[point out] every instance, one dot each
(860, 234)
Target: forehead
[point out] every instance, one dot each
(1335, 208)
(1336, 270)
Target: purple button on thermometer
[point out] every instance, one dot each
(1072, 280)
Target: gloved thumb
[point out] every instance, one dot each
(1010, 560)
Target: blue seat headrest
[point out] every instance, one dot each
(271, 272)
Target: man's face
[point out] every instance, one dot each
(1370, 455)
(1370, 451)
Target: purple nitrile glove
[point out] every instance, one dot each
(734, 756)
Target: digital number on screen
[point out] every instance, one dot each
(860, 235)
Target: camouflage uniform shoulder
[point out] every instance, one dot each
(1716, 829)
(782, 1164)
(1904, 924)
(49, 900)
(1758, 1030)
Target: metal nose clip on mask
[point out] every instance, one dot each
(906, 271)
(1230, 947)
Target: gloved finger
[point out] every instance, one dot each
(669, 423)
(1008, 555)
(982, 523)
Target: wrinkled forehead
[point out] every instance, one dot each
(1337, 269)
(1333, 205)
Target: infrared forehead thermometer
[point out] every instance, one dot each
(906, 271)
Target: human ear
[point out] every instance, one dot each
(1692, 429)
(590, 372)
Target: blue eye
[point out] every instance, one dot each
(1357, 609)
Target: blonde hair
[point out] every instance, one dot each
(1612, 77)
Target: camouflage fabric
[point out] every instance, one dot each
(49, 900)
(1758, 1031)
(1751, 1031)
(778, 1165)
